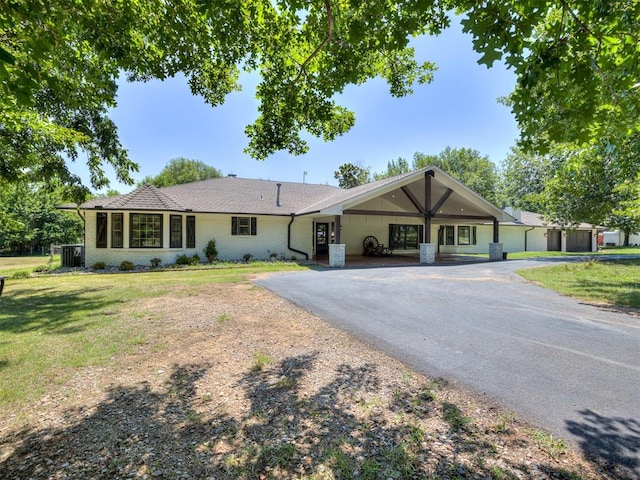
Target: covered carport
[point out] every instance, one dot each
(405, 213)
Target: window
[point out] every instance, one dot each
(191, 231)
(101, 230)
(449, 235)
(405, 237)
(175, 231)
(146, 230)
(244, 226)
(117, 230)
(464, 235)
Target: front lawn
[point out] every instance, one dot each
(599, 281)
(51, 324)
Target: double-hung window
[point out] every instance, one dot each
(117, 230)
(244, 226)
(145, 230)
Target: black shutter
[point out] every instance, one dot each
(254, 226)
(420, 235)
(101, 230)
(473, 236)
(234, 225)
(191, 231)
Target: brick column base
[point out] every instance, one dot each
(427, 253)
(337, 255)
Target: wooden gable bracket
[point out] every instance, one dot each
(413, 198)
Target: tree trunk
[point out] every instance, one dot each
(627, 234)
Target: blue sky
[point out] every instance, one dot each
(158, 121)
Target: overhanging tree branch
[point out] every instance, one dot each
(327, 39)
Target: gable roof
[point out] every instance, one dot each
(266, 197)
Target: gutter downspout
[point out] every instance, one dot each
(525, 238)
(306, 255)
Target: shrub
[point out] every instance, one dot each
(182, 260)
(155, 262)
(41, 268)
(210, 251)
(126, 265)
(99, 266)
(247, 257)
(194, 260)
(20, 274)
(273, 256)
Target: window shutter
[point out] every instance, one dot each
(101, 230)
(473, 236)
(254, 225)
(191, 231)
(234, 225)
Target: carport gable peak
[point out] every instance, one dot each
(347, 201)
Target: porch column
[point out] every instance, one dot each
(427, 207)
(336, 223)
(496, 230)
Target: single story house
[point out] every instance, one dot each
(414, 213)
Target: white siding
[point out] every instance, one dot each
(355, 228)
(271, 237)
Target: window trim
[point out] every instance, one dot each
(102, 223)
(177, 241)
(114, 242)
(467, 235)
(235, 226)
(449, 240)
(131, 229)
(393, 245)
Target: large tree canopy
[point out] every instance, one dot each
(597, 184)
(576, 61)
(182, 170)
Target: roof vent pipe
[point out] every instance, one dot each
(233, 175)
(278, 196)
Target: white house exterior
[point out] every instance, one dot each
(423, 212)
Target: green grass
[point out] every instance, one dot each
(53, 324)
(602, 251)
(610, 282)
(11, 265)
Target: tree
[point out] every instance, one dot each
(182, 170)
(31, 221)
(576, 67)
(523, 178)
(571, 184)
(468, 166)
(394, 167)
(350, 175)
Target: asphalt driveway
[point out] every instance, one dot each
(570, 368)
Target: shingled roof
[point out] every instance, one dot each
(232, 195)
(146, 197)
(220, 195)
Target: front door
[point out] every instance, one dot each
(322, 238)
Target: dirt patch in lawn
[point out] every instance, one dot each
(229, 381)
